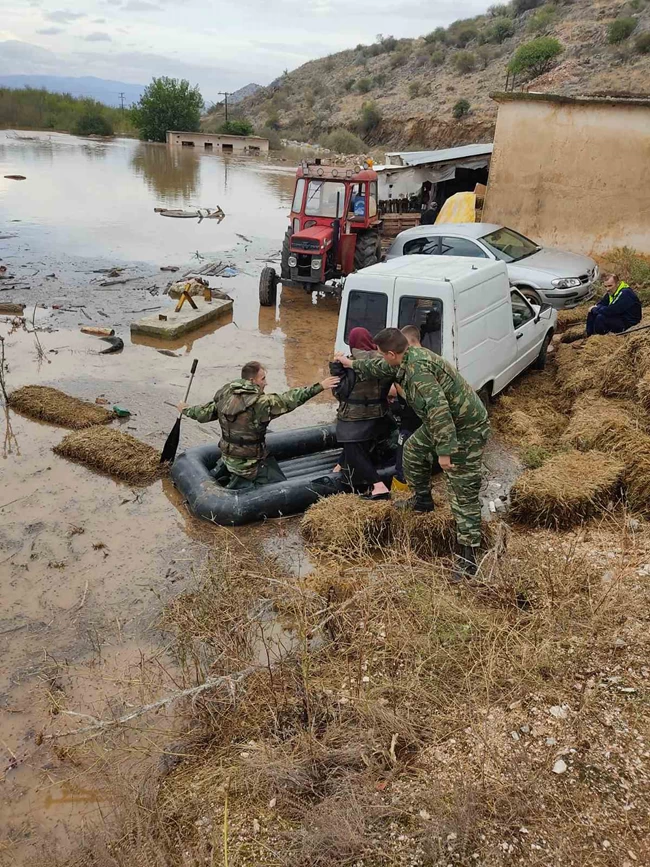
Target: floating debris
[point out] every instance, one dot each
(113, 452)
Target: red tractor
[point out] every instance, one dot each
(333, 231)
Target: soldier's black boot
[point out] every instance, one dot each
(465, 565)
(418, 503)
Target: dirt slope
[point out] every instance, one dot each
(415, 83)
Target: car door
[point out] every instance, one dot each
(527, 332)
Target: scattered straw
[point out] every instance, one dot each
(569, 318)
(629, 362)
(347, 525)
(643, 391)
(50, 404)
(581, 366)
(113, 452)
(566, 490)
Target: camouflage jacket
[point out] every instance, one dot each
(445, 402)
(261, 413)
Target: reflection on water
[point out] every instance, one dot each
(169, 172)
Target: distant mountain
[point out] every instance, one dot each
(243, 92)
(102, 89)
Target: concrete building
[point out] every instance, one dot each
(218, 142)
(572, 172)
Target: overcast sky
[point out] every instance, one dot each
(217, 44)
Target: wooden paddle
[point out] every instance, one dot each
(171, 445)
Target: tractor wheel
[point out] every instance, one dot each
(366, 250)
(285, 273)
(268, 287)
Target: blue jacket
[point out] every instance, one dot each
(625, 306)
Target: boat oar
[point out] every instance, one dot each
(171, 445)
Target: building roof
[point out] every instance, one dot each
(595, 99)
(420, 158)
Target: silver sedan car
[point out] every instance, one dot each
(541, 273)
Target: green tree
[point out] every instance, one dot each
(500, 30)
(543, 19)
(439, 35)
(461, 33)
(620, 29)
(342, 141)
(168, 103)
(521, 6)
(364, 85)
(535, 57)
(93, 121)
(237, 127)
(370, 118)
(461, 109)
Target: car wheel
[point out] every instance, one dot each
(540, 361)
(530, 294)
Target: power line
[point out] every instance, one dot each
(122, 101)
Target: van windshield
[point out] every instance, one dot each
(509, 246)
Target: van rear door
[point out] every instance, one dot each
(367, 302)
(427, 304)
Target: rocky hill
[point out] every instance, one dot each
(402, 93)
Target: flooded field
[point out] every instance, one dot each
(86, 561)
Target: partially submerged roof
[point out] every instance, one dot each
(421, 158)
(613, 98)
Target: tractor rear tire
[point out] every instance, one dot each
(285, 272)
(268, 287)
(366, 250)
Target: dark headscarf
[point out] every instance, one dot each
(361, 338)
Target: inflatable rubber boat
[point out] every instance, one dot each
(306, 457)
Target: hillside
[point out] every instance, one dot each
(100, 89)
(412, 85)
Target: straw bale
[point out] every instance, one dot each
(582, 366)
(635, 448)
(629, 362)
(569, 318)
(643, 392)
(52, 405)
(598, 423)
(569, 488)
(347, 525)
(112, 452)
(530, 419)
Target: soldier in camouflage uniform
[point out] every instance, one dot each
(244, 412)
(454, 429)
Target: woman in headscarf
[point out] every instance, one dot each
(362, 417)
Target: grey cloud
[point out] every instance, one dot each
(62, 16)
(97, 37)
(50, 31)
(99, 21)
(140, 6)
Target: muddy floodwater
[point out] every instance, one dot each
(85, 561)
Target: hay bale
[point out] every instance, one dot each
(112, 452)
(582, 366)
(569, 318)
(52, 405)
(635, 450)
(566, 490)
(529, 420)
(573, 334)
(347, 525)
(629, 361)
(643, 392)
(598, 423)
(426, 535)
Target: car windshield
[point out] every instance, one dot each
(509, 245)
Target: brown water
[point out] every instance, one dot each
(85, 561)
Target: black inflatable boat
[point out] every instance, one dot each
(306, 457)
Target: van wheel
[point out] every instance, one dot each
(530, 294)
(540, 361)
(268, 287)
(485, 395)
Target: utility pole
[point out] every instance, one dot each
(122, 102)
(225, 100)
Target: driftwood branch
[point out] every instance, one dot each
(98, 726)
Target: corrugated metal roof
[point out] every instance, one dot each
(420, 158)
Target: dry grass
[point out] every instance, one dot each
(581, 366)
(598, 423)
(566, 490)
(52, 405)
(532, 411)
(628, 363)
(569, 318)
(643, 392)
(114, 453)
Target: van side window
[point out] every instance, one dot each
(422, 246)
(366, 310)
(461, 247)
(425, 314)
(522, 312)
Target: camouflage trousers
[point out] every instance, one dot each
(463, 479)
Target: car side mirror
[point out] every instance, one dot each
(543, 308)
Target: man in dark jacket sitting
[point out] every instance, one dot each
(618, 310)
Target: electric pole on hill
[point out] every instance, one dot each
(225, 100)
(122, 102)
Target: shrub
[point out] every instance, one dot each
(348, 84)
(370, 118)
(273, 136)
(542, 20)
(461, 109)
(399, 58)
(437, 57)
(465, 62)
(310, 99)
(364, 85)
(414, 89)
(521, 6)
(439, 35)
(499, 10)
(342, 141)
(273, 120)
(379, 80)
(92, 122)
(620, 30)
(237, 127)
(462, 33)
(500, 30)
(484, 55)
(329, 64)
(642, 43)
(535, 57)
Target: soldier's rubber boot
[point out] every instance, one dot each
(465, 565)
(418, 503)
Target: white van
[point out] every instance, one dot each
(466, 311)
